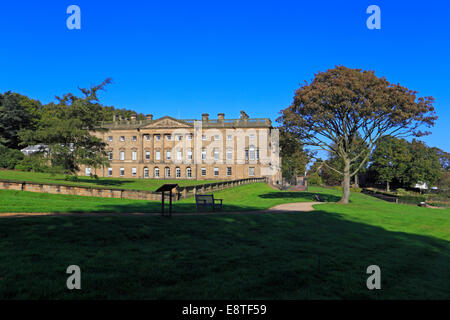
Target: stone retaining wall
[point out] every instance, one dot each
(179, 193)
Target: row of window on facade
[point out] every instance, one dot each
(178, 137)
(167, 174)
(250, 154)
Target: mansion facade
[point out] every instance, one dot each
(209, 149)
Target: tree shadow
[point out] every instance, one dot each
(104, 182)
(300, 195)
(155, 207)
(317, 255)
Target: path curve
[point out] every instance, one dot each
(285, 207)
(294, 207)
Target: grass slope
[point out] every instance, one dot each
(111, 183)
(319, 255)
(243, 198)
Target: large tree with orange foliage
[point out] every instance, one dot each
(342, 103)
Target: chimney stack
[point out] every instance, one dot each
(221, 116)
(205, 117)
(150, 117)
(244, 116)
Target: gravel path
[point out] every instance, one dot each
(296, 206)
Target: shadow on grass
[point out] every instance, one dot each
(301, 195)
(155, 207)
(315, 255)
(103, 182)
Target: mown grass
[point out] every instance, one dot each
(250, 197)
(319, 255)
(111, 183)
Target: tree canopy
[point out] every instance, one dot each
(424, 165)
(390, 160)
(293, 158)
(66, 128)
(404, 163)
(16, 112)
(334, 165)
(342, 103)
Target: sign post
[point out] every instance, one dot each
(163, 189)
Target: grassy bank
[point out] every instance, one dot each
(111, 183)
(319, 255)
(255, 196)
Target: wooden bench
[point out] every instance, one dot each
(207, 200)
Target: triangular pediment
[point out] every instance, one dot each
(167, 122)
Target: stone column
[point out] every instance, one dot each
(163, 156)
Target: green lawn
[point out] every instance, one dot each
(243, 198)
(111, 183)
(318, 255)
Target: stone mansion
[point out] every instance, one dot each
(168, 148)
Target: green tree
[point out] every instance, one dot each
(444, 158)
(9, 158)
(329, 176)
(315, 172)
(16, 113)
(342, 102)
(390, 160)
(68, 128)
(334, 177)
(407, 163)
(424, 165)
(293, 158)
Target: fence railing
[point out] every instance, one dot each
(190, 191)
(380, 195)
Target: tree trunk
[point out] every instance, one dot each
(346, 183)
(356, 181)
(387, 186)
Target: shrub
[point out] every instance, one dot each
(402, 192)
(72, 178)
(9, 158)
(315, 179)
(54, 170)
(34, 162)
(441, 197)
(411, 199)
(355, 189)
(23, 167)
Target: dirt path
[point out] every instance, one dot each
(294, 207)
(286, 207)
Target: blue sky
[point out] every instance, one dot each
(183, 58)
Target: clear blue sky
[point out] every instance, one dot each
(183, 58)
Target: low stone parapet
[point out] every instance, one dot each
(180, 192)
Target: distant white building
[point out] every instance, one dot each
(34, 149)
(39, 148)
(423, 186)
